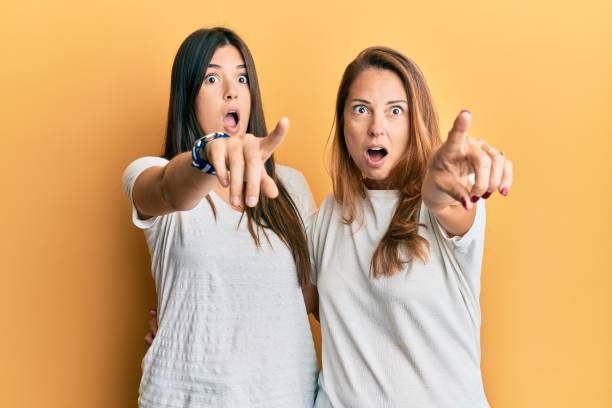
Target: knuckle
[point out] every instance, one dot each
(237, 161)
(497, 159)
(234, 143)
(484, 163)
(235, 148)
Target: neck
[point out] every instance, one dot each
(377, 184)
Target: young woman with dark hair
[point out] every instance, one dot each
(233, 327)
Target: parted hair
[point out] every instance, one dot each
(279, 215)
(401, 243)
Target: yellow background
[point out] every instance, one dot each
(84, 90)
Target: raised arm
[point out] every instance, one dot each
(237, 160)
(447, 191)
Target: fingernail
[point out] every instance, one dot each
(486, 195)
(224, 183)
(466, 111)
(464, 203)
(235, 201)
(251, 201)
(504, 191)
(475, 198)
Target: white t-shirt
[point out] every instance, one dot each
(233, 328)
(412, 340)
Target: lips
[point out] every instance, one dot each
(375, 155)
(231, 121)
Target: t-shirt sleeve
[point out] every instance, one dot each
(467, 249)
(298, 188)
(130, 175)
(472, 237)
(317, 230)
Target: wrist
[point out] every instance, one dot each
(434, 197)
(198, 152)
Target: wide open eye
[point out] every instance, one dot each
(211, 79)
(360, 109)
(243, 79)
(397, 110)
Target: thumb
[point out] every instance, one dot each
(460, 129)
(275, 137)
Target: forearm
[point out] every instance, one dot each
(176, 187)
(183, 185)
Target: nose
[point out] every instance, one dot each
(376, 127)
(230, 92)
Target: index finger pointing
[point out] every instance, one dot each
(275, 137)
(460, 129)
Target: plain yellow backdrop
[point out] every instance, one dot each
(84, 90)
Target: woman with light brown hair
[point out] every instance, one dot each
(397, 247)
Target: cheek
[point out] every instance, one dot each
(205, 111)
(399, 132)
(355, 131)
(245, 107)
(351, 137)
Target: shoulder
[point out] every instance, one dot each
(133, 170)
(147, 161)
(290, 176)
(329, 203)
(139, 165)
(297, 187)
(294, 181)
(322, 219)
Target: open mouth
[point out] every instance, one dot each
(376, 154)
(231, 120)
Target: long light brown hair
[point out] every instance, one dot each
(401, 243)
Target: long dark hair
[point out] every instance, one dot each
(408, 173)
(279, 215)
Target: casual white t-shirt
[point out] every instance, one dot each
(233, 328)
(411, 340)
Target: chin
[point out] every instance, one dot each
(376, 174)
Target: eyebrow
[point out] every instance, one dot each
(388, 103)
(241, 66)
